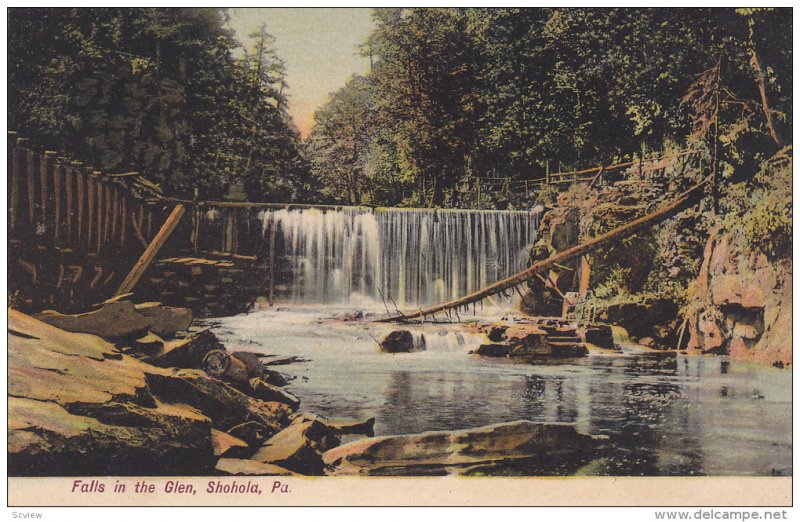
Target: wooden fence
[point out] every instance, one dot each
(73, 231)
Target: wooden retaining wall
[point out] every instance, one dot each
(73, 231)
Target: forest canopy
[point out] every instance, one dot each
(455, 95)
(452, 96)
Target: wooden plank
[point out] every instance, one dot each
(45, 178)
(681, 202)
(17, 171)
(137, 229)
(124, 218)
(58, 173)
(151, 251)
(91, 193)
(114, 211)
(32, 163)
(80, 190)
(69, 182)
(102, 203)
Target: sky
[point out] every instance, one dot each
(319, 46)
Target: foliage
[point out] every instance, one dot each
(154, 90)
(469, 93)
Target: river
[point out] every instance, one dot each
(663, 414)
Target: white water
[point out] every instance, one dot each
(405, 257)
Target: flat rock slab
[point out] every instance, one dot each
(118, 319)
(514, 448)
(78, 407)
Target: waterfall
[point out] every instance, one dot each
(407, 257)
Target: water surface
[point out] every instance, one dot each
(664, 414)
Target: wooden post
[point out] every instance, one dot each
(123, 219)
(17, 167)
(151, 251)
(80, 187)
(91, 193)
(45, 177)
(102, 214)
(547, 172)
(70, 183)
(32, 160)
(57, 175)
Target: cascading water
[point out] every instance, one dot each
(407, 257)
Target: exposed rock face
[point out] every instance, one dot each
(514, 448)
(560, 230)
(400, 341)
(79, 407)
(742, 304)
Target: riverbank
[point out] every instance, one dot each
(704, 281)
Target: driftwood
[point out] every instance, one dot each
(682, 201)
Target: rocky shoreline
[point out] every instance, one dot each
(147, 393)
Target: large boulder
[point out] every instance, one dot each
(513, 448)
(300, 447)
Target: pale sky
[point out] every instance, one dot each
(319, 46)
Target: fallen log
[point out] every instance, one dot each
(682, 201)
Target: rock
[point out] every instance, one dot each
(114, 320)
(275, 378)
(600, 336)
(226, 445)
(366, 427)
(494, 350)
(300, 447)
(250, 467)
(150, 344)
(252, 432)
(225, 405)
(187, 352)
(527, 340)
(647, 341)
(497, 333)
(72, 411)
(267, 392)
(401, 341)
(164, 320)
(236, 367)
(121, 319)
(741, 302)
(517, 448)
